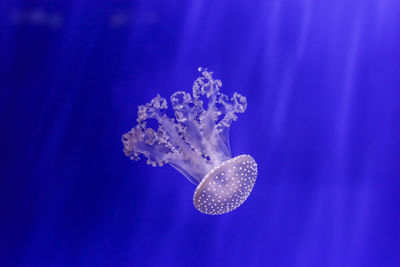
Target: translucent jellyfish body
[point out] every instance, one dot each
(196, 143)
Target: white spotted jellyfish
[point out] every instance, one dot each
(196, 143)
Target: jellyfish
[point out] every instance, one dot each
(196, 143)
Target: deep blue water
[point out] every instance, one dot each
(322, 80)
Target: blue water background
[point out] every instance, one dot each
(322, 80)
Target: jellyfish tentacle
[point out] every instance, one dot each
(154, 110)
(196, 140)
(186, 117)
(206, 85)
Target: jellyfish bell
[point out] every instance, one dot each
(196, 143)
(227, 186)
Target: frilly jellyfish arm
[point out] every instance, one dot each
(196, 141)
(165, 145)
